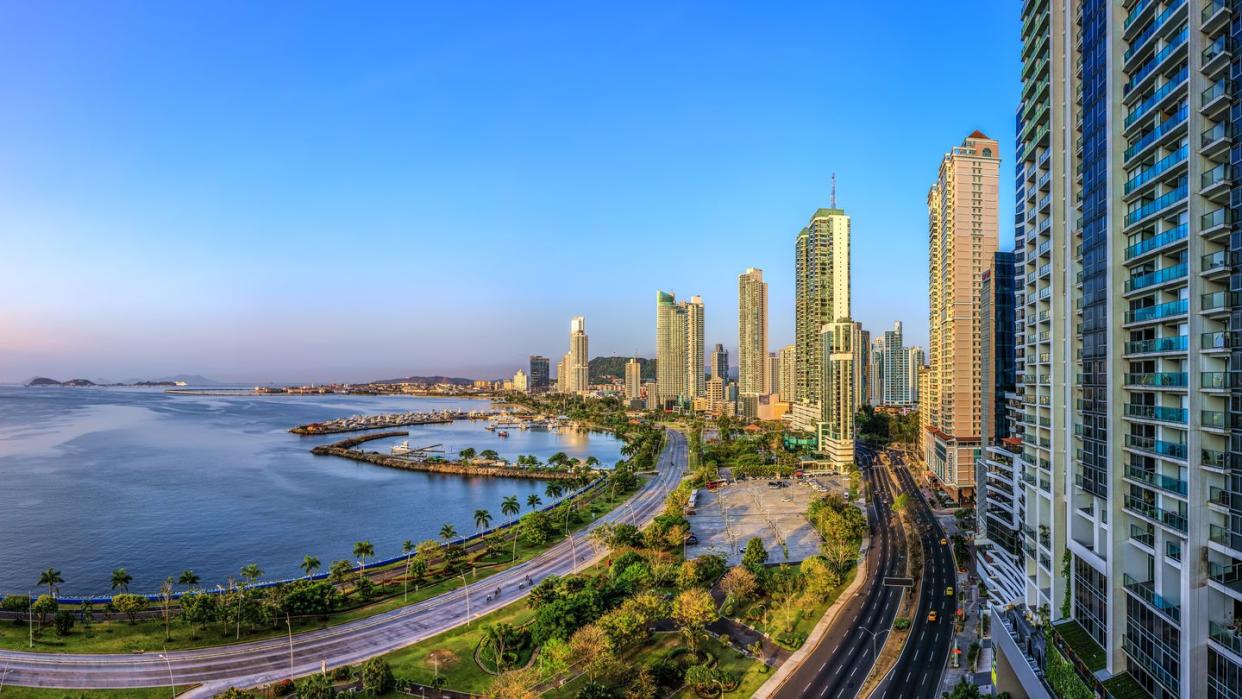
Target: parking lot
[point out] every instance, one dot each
(726, 518)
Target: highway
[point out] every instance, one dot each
(837, 666)
(918, 671)
(258, 662)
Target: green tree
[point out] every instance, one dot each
(376, 676)
(121, 579)
(533, 501)
(309, 565)
(489, 455)
(482, 519)
(52, 578)
(317, 686)
(448, 532)
(755, 556)
(45, 605)
(251, 572)
(339, 571)
(198, 610)
(362, 551)
(466, 455)
(130, 605)
(188, 578)
(63, 623)
(553, 490)
(693, 610)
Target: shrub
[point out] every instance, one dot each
(15, 603)
(901, 623)
(377, 676)
(63, 622)
(316, 686)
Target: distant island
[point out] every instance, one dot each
(41, 381)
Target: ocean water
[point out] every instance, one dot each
(93, 479)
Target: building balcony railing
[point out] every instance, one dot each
(1175, 43)
(1176, 343)
(1157, 312)
(1160, 167)
(1159, 447)
(1213, 458)
(1228, 636)
(1150, 511)
(1140, 42)
(1158, 379)
(1219, 380)
(1140, 658)
(1145, 537)
(1173, 83)
(1220, 300)
(1214, 261)
(1159, 276)
(1156, 205)
(1146, 591)
(1219, 420)
(1157, 412)
(1219, 340)
(1157, 480)
(1154, 135)
(1220, 535)
(1170, 236)
(1229, 575)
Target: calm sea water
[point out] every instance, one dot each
(93, 479)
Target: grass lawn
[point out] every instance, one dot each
(10, 692)
(797, 620)
(1124, 686)
(148, 635)
(1077, 638)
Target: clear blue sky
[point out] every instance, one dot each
(290, 192)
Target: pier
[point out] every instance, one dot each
(360, 423)
(346, 449)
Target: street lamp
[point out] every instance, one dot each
(874, 654)
(466, 585)
(171, 684)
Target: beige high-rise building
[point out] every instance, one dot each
(519, 381)
(696, 375)
(562, 375)
(822, 296)
(633, 379)
(671, 349)
(840, 385)
(752, 333)
(773, 372)
(962, 235)
(789, 368)
(579, 359)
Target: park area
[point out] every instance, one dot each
(727, 517)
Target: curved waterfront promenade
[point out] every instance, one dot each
(258, 662)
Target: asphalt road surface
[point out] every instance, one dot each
(918, 670)
(837, 666)
(257, 662)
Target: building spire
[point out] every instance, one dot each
(834, 190)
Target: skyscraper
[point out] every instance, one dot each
(633, 379)
(539, 375)
(789, 369)
(840, 383)
(752, 333)
(863, 360)
(579, 359)
(1128, 316)
(894, 369)
(821, 296)
(696, 377)
(914, 358)
(774, 372)
(962, 235)
(720, 362)
(520, 382)
(562, 375)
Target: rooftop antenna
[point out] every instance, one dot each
(834, 190)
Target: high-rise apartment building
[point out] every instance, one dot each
(773, 369)
(720, 363)
(633, 379)
(679, 349)
(752, 333)
(962, 235)
(789, 369)
(520, 383)
(863, 360)
(578, 359)
(840, 384)
(539, 375)
(875, 386)
(915, 358)
(563, 381)
(1128, 320)
(890, 365)
(821, 296)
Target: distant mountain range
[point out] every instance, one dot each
(430, 380)
(614, 367)
(186, 379)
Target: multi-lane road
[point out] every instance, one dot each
(257, 662)
(845, 654)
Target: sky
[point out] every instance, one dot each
(299, 192)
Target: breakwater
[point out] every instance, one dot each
(359, 423)
(345, 449)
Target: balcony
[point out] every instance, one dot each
(1157, 312)
(1216, 341)
(1157, 169)
(1215, 98)
(1215, 56)
(1214, 15)
(1228, 636)
(1175, 82)
(1159, 515)
(1214, 262)
(1139, 43)
(1218, 420)
(1155, 135)
(1145, 537)
(1215, 221)
(1223, 537)
(1146, 591)
(1157, 480)
(1156, 447)
(1216, 139)
(1215, 181)
(1168, 237)
(1222, 301)
(1140, 76)
(1213, 459)
(1156, 278)
(1228, 575)
(1157, 379)
(1219, 380)
(1156, 206)
(1176, 343)
(1156, 412)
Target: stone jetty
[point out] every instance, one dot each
(346, 449)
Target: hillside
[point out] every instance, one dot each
(429, 380)
(604, 367)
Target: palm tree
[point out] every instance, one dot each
(482, 519)
(553, 491)
(309, 565)
(510, 506)
(188, 578)
(407, 547)
(448, 532)
(121, 579)
(533, 501)
(51, 577)
(362, 551)
(592, 462)
(251, 572)
(340, 572)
